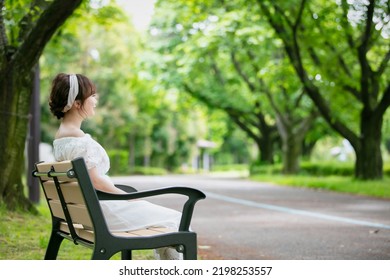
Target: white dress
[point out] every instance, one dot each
(119, 215)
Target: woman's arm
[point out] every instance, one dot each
(103, 183)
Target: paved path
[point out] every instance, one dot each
(242, 219)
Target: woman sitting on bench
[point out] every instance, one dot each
(73, 99)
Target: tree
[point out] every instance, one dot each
(221, 58)
(25, 29)
(340, 52)
(267, 73)
(197, 63)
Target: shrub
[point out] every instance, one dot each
(307, 168)
(119, 161)
(148, 171)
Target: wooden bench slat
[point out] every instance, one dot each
(80, 215)
(62, 166)
(56, 208)
(70, 190)
(89, 234)
(50, 190)
(72, 193)
(80, 231)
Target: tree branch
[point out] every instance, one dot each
(26, 23)
(354, 92)
(293, 52)
(40, 34)
(279, 114)
(217, 71)
(306, 123)
(385, 101)
(236, 118)
(239, 70)
(198, 96)
(384, 64)
(366, 71)
(236, 115)
(365, 39)
(299, 17)
(340, 59)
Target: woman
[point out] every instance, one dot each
(73, 99)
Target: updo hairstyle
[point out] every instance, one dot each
(60, 91)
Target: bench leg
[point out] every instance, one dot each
(54, 246)
(126, 255)
(190, 252)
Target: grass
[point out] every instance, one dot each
(342, 184)
(24, 236)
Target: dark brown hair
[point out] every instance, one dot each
(60, 90)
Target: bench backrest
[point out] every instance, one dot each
(70, 195)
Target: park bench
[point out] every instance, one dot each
(77, 215)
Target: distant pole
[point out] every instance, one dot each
(34, 138)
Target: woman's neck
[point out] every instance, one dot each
(72, 119)
(70, 126)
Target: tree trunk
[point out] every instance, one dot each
(369, 162)
(15, 116)
(266, 148)
(292, 141)
(292, 150)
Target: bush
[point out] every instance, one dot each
(148, 171)
(262, 168)
(386, 169)
(119, 161)
(327, 168)
(313, 169)
(229, 167)
(308, 168)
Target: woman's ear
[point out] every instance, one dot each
(77, 103)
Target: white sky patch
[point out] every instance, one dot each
(141, 11)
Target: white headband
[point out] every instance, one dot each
(73, 91)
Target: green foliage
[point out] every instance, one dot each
(119, 161)
(91, 43)
(224, 60)
(327, 169)
(148, 171)
(230, 167)
(148, 116)
(320, 169)
(152, 124)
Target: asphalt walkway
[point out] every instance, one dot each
(242, 219)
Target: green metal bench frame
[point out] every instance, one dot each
(106, 244)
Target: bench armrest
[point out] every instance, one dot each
(193, 196)
(126, 188)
